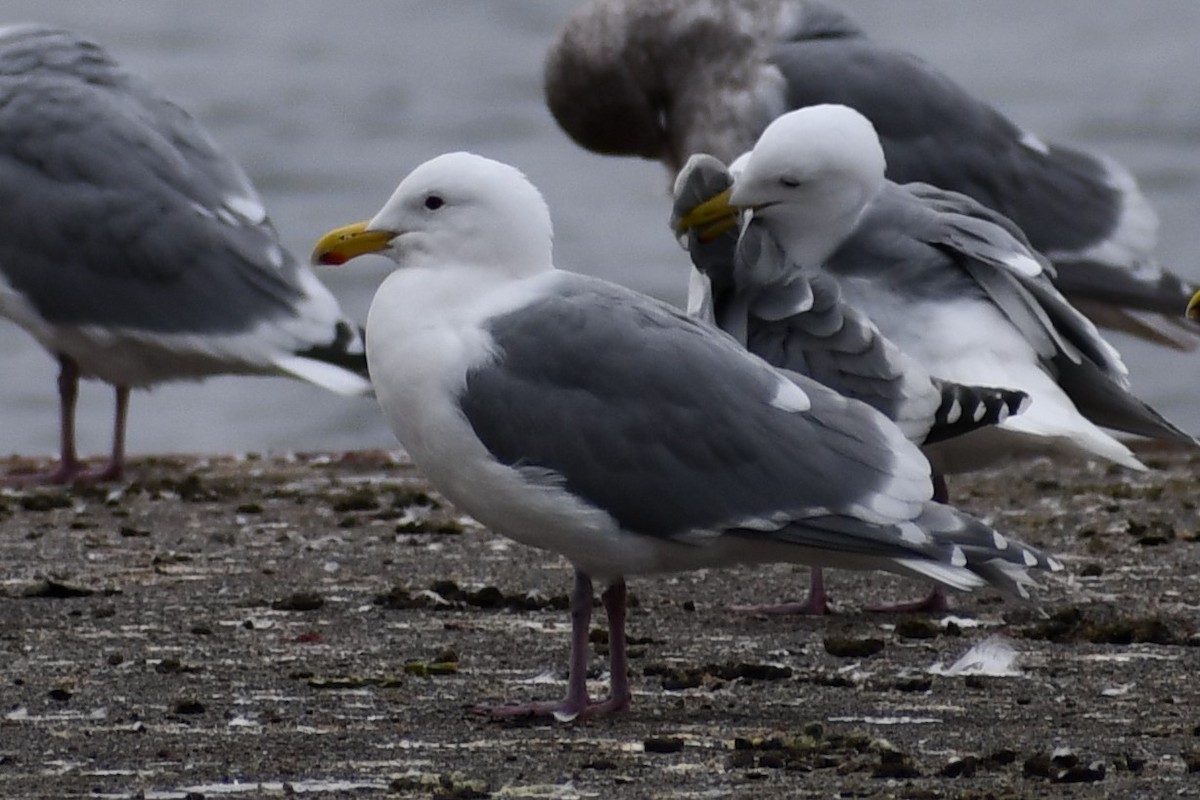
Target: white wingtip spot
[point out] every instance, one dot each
(1030, 559)
(955, 412)
(980, 411)
(957, 557)
(999, 541)
(790, 397)
(1054, 564)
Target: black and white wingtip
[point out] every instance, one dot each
(966, 408)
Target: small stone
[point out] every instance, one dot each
(363, 499)
(894, 764)
(921, 683)
(963, 767)
(848, 647)
(46, 501)
(663, 744)
(59, 695)
(914, 628)
(300, 601)
(57, 590)
(189, 706)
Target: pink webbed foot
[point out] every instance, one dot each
(66, 473)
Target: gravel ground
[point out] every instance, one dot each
(323, 625)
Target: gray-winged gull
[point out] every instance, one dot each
(134, 250)
(795, 318)
(665, 79)
(951, 283)
(580, 417)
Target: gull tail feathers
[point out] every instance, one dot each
(997, 560)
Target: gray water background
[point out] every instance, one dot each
(327, 105)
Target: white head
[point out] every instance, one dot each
(810, 176)
(458, 208)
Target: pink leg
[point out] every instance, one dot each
(936, 602)
(576, 704)
(116, 462)
(816, 604)
(70, 469)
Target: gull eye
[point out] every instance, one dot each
(789, 182)
(434, 202)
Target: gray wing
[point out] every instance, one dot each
(1084, 211)
(921, 241)
(118, 208)
(933, 131)
(675, 431)
(672, 427)
(796, 319)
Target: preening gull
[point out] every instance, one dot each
(954, 285)
(796, 318)
(580, 417)
(135, 251)
(664, 79)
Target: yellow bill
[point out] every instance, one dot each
(350, 241)
(710, 219)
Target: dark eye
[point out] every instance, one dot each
(433, 202)
(789, 181)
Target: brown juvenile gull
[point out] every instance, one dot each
(135, 251)
(665, 79)
(583, 418)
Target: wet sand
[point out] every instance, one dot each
(322, 625)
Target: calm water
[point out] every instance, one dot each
(328, 105)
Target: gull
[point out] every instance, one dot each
(796, 319)
(135, 251)
(582, 418)
(952, 284)
(665, 79)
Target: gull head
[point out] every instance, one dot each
(810, 176)
(456, 209)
